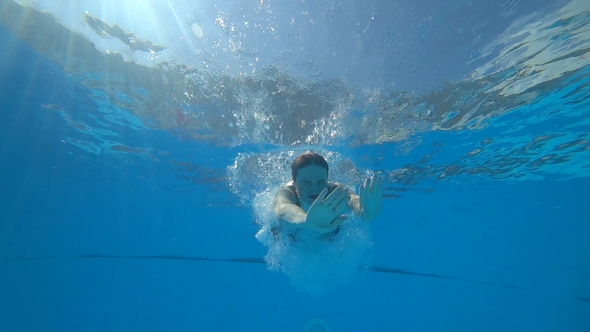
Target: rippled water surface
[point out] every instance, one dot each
(143, 141)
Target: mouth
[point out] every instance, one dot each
(313, 197)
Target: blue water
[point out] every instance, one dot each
(484, 228)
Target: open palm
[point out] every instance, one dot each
(370, 198)
(324, 213)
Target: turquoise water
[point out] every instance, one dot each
(142, 143)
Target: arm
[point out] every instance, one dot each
(369, 202)
(355, 204)
(323, 215)
(358, 209)
(285, 207)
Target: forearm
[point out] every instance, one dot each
(358, 209)
(291, 213)
(355, 205)
(295, 215)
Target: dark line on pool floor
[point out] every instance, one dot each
(255, 260)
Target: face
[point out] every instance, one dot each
(310, 182)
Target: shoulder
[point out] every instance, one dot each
(289, 187)
(287, 191)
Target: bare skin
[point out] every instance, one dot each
(306, 201)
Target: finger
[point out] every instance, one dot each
(339, 221)
(373, 183)
(321, 196)
(341, 199)
(333, 195)
(365, 188)
(340, 205)
(362, 193)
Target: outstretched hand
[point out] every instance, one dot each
(370, 198)
(324, 215)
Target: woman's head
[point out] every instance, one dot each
(307, 159)
(310, 176)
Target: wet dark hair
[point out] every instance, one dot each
(307, 159)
